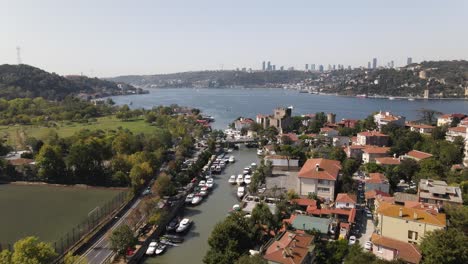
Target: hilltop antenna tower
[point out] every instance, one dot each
(18, 55)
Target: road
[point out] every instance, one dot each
(100, 250)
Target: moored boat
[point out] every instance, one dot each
(232, 179)
(247, 179)
(196, 200)
(232, 159)
(160, 249)
(184, 225)
(240, 192)
(240, 179)
(151, 248)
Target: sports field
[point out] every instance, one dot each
(46, 211)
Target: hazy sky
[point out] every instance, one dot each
(113, 37)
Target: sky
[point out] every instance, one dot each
(107, 38)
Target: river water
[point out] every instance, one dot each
(225, 105)
(205, 216)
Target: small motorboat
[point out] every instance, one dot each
(240, 192)
(246, 171)
(172, 226)
(218, 169)
(232, 179)
(201, 183)
(189, 198)
(203, 192)
(184, 225)
(174, 238)
(259, 152)
(160, 249)
(229, 150)
(236, 207)
(209, 183)
(232, 159)
(151, 248)
(253, 165)
(240, 179)
(196, 200)
(247, 179)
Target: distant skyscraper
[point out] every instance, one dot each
(268, 66)
(312, 67)
(329, 67)
(334, 67)
(307, 67)
(349, 67)
(392, 64)
(273, 67)
(374, 63)
(409, 61)
(263, 66)
(282, 68)
(368, 65)
(321, 68)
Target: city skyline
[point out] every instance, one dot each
(151, 37)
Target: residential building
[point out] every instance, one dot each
(354, 151)
(319, 176)
(291, 137)
(420, 128)
(374, 63)
(409, 61)
(373, 138)
(407, 224)
(280, 119)
(351, 123)
(439, 193)
(369, 154)
(328, 132)
(280, 162)
(345, 201)
(386, 118)
(289, 248)
(416, 155)
(454, 132)
(339, 141)
(388, 161)
(243, 123)
(377, 181)
(392, 249)
(448, 118)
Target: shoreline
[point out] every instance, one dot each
(74, 186)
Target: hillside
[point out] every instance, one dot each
(24, 81)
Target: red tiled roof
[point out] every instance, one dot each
(376, 178)
(458, 129)
(372, 194)
(376, 150)
(304, 202)
(291, 136)
(327, 129)
(419, 125)
(327, 169)
(388, 161)
(419, 154)
(405, 251)
(20, 161)
(371, 134)
(291, 248)
(345, 198)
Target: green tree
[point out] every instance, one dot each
(31, 251)
(50, 164)
(350, 166)
(74, 259)
(247, 259)
(5, 257)
(448, 247)
(122, 238)
(262, 216)
(357, 256)
(338, 153)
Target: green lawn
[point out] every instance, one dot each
(66, 129)
(46, 211)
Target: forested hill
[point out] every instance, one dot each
(224, 78)
(24, 81)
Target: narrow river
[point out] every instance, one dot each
(205, 216)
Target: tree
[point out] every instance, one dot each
(74, 259)
(5, 257)
(448, 247)
(428, 115)
(338, 153)
(457, 217)
(31, 251)
(357, 256)
(350, 166)
(50, 164)
(163, 185)
(247, 259)
(262, 216)
(438, 133)
(122, 238)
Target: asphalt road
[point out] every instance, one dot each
(101, 250)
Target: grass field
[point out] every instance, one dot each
(46, 211)
(66, 129)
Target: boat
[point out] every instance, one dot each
(172, 226)
(174, 238)
(247, 179)
(196, 200)
(236, 207)
(259, 152)
(361, 96)
(160, 249)
(201, 183)
(232, 159)
(232, 179)
(410, 99)
(218, 169)
(230, 150)
(391, 98)
(189, 198)
(203, 192)
(240, 179)
(253, 165)
(184, 225)
(240, 192)
(151, 248)
(209, 183)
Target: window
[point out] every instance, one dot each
(379, 249)
(323, 182)
(321, 189)
(413, 235)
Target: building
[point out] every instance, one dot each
(369, 154)
(405, 224)
(328, 132)
(339, 141)
(392, 249)
(268, 66)
(423, 75)
(409, 61)
(243, 123)
(447, 119)
(307, 67)
(416, 155)
(420, 128)
(454, 132)
(319, 176)
(280, 119)
(351, 123)
(388, 161)
(289, 248)
(369, 65)
(378, 182)
(321, 68)
(374, 63)
(304, 222)
(375, 197)
(355, 151)
(373, 138)
(283, 162)
(345, 201)
(439, 193)
(386, 118)
(263, 66)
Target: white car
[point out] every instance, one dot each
(352, 240)
(368, 246)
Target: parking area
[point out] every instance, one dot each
(282, 179)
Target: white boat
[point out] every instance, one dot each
(240, 192)
(201, 183)
(232, 179)
(196, 200)
(218, 169)
(184, 225)
(236, 207)
(232, 159)
(247, 179)
(151, 248)
(160, 249)
(391, 98)
(240, 179)
(230, 150)
(259, 152)
(209, 183)
(410, 99)
(189, 198)
(253, 165)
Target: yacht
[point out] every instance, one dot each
(196, 200)
(391, 98)
(240, 192)
(160, 249)
(247, 179)
(232, 159)
(184, 225)
(240, 179)
(232, 179)
(151, 248)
